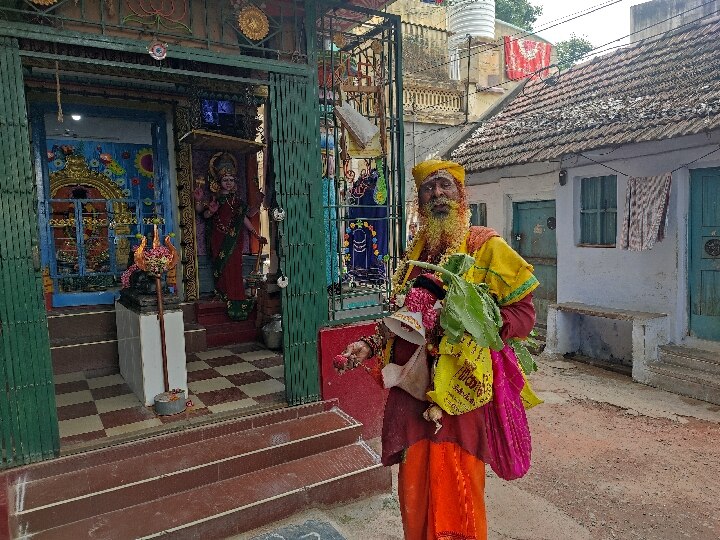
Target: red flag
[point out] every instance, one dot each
(524, 58)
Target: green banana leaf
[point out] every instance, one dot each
(526, 360)
(468, 307)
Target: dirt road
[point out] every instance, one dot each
(624, 460)
(612, 459)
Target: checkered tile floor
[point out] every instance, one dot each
(219, 380)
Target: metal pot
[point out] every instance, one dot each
(272, 333)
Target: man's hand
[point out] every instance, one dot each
(358, 350)
(213, 206)
(353, 355)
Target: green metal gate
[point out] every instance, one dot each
(294, 128)
(28, 419)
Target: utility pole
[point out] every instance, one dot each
(467, 82)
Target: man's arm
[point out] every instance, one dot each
(518, 319)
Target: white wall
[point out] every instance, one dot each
(654, 280)
(532, 183)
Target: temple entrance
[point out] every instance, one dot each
(104, 183)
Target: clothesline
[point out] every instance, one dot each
(670, 172)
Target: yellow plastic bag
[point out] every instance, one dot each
(463, 376)
(528, 395)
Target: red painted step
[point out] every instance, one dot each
(85, 339)
(210, 481)
(231, 333)
(220, 329)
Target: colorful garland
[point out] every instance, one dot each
(380, 194)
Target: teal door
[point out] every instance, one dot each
(704, 247)
(534, 239)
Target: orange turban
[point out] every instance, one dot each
(422, 170)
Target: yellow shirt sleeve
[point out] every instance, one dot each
(508, 275)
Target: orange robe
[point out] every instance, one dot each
(441, 488)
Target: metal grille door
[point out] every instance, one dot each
(28, 418)
(294, 128)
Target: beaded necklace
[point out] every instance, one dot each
(229, 199)
(399, 281)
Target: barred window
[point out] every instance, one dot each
(598, 211)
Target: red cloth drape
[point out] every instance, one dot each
(524, 57)
(230, 280)
(254, 199)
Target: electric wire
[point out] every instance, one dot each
(498, 45)
(524, 33)
(598, 48)
(678, 75)
(696, 160)
(602, 47)
(545, 68)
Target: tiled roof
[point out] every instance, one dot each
(654, 90)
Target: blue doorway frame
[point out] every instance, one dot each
(161, 200)
(704, 254)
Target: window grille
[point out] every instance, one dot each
(598, 211)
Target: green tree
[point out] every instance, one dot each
(518, 12)
(572, 50)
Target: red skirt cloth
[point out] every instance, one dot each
(230, 280)
(441, 489)
(403, 424)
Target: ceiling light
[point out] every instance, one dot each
(76, 117)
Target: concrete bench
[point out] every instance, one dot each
(637, 333)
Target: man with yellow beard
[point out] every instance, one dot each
(442, 472)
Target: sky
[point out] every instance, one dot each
(600, 27)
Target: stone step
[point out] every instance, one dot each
(210, 481)
(190, 435)
(214, 318)
(195, 338)
(84, 493)
(209, 307)
(98, 355)
(685, 381)
(76, 323)
(242, 503)
(232, 332)
(689, 357)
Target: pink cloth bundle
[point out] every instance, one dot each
(507, 427)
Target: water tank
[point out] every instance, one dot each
(474, 17)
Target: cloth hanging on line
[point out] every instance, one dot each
(524, 57)
(646, 205)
